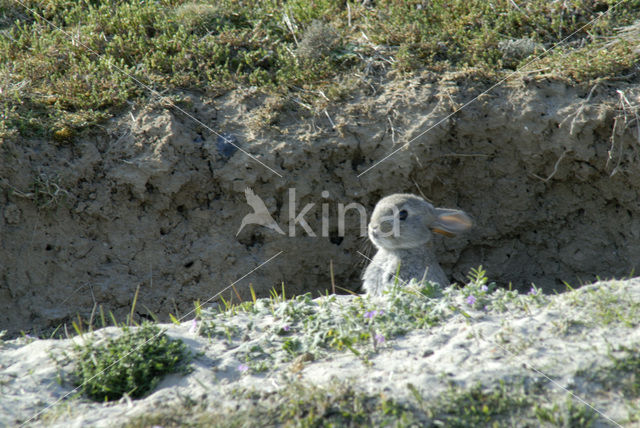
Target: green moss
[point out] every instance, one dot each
(132, 363)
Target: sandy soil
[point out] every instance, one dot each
(548, 171)
(554, 341)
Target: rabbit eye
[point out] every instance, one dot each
(403, 214)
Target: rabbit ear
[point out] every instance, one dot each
(450, 222)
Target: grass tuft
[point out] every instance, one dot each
(130, 364)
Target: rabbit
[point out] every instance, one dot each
(401, 228)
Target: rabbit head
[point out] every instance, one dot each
(403, 221)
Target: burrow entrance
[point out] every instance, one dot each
(549, 173)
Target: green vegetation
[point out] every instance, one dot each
(74, 64)
(567, 414)
(298, 404)
(280, 336)
(131, 364)
(303, 326)
(45, 192)
(622, 375)
(606, 307)
(627, 366)
(476, 406)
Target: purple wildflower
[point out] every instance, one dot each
(379, 338)
(194, 326)
(533, 291)
(484, 288)
(471, 300)
(372, 314)
(243, 368)
(286, 328)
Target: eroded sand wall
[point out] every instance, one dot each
(153, 201)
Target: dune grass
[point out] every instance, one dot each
(66, 65)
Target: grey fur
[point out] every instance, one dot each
(411, 244)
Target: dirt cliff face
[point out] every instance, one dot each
(549, 173)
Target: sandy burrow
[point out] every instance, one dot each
(484, 348)
(154, 202)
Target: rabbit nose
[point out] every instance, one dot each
(386, 226)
